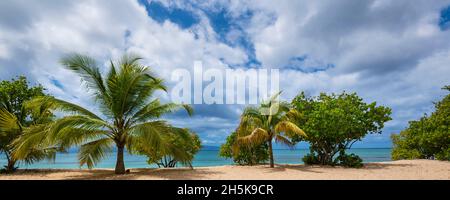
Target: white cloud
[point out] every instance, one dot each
(392, 52)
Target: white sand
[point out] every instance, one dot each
(404, 169)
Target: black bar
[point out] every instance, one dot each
(279, 189)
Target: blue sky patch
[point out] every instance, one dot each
(220, 22)
(127, 34)
(299, 64)
(57, 83)
(444, 20)
(229, 29)
(225, 26)
(160, 13)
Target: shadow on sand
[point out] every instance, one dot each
(187, 173)
(166, 174)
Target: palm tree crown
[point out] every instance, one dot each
(271, 120)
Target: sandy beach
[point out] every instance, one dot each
(403, 169)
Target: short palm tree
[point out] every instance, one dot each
(14, 126)
(269, 121)
(129, 120)
(180, 148)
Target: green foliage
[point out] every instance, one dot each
(346, 160)
(248, 155)
(311, 159)
(130, 114)
(427, 138)
(181, 148)
(16, 118)
(350, 160)
(270, 121)
(334, 122)
(14, 93)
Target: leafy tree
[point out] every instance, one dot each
(427, 138)
(16, 119)
(248, 155)
(181, 148)
(267, 122)
(129, 120)
(334, 122)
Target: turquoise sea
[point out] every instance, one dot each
(207, 157)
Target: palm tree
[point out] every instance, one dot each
(271, 120)
(13, 127)
(181, 148)
(16, 119)
(129, 120)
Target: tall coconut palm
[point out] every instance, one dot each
(269, 121)
(130, 116)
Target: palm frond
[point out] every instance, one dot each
(130, 87)
(59, 105)
(293, 115)
(144, 92)
(252, 118)
(38, 154)
(284, 106)
(4, 101)
(257, 137)
(155, 110)
(70, 136)
(180, 155)
(150, 134)
(179, 146)
(32, 139)
(283, 140)
(91, 153)
(252, 112)
(8, 121)
(289, 128)
(129, 59)
(77, 122)
(188, 109)
(86, 67)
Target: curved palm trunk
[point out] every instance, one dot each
(11, 166)
(120, 164)
(271, 154)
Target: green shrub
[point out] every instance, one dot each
(444, 155)
(180, 148)
(246, 155)
(310, 159)
(400, 154)
(346, 160)
(350, 160)
(426, 138)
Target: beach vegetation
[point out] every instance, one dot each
(270, 121)
(247, 155)
(129, 114)
(180, 147)
(17, 119)
(334, 123)
(426, 138)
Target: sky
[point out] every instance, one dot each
(396, 53)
